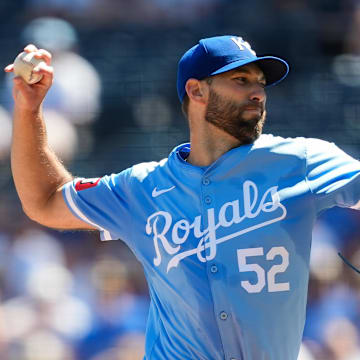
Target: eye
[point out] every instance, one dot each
(241, 79)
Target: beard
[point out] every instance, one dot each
(228, 115)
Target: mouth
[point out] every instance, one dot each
(253, 109)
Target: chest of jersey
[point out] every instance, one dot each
(227, 216)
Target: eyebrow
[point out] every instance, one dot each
(246, 71)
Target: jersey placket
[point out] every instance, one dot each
(213, 268)
(216, 273)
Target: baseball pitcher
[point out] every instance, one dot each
(222, 226)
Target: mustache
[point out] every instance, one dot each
(252, 105)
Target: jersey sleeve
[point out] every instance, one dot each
(102, 203)
(332, 175)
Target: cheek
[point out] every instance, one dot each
(234, 95)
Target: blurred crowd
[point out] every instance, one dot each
(65, 298)
(68, 296)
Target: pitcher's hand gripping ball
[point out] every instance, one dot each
(24, 65)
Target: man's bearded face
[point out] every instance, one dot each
(243, 121)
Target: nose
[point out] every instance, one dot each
(258, 93)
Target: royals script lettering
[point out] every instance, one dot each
(172, 235)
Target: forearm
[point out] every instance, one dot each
(37, 172)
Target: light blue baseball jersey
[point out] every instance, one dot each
(225, 248)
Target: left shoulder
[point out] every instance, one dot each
(279, 144)
(291, 143)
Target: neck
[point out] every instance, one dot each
(208, 143)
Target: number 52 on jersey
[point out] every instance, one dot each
(246, 264)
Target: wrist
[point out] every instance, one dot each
(27, 111)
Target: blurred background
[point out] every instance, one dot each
(66, 295)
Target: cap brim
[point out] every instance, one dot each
(274, 69)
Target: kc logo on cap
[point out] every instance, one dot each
(242, 44)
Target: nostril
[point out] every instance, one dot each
(256, 99)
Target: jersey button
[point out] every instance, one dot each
(223, 315)
(206, 181)
(208, 200)
(214, 269)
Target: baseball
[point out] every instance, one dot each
(24, 65)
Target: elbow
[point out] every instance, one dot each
(33, 214)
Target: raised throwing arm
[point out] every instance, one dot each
(38, 174)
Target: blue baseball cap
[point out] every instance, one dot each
(219, 54)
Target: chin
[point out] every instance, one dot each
(250, 129)
(253, 116)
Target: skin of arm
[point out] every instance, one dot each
(38, 174)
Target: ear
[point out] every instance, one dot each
(195, 91)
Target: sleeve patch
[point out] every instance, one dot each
(84, 184)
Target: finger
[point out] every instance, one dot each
(30, 48)
(43, 54)
(9, 68)
(45, 70)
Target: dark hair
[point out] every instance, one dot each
(186, 100)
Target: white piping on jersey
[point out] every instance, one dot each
(79, 213)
